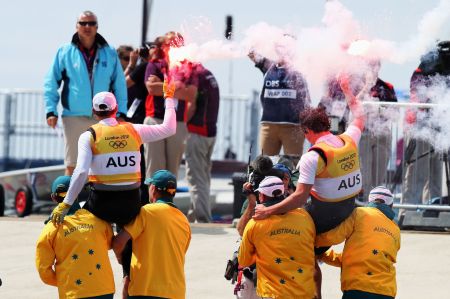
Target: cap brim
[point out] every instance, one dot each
(148, 181)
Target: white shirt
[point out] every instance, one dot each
(308, 162)
(148, 133)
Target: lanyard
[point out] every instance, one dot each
(89, 57)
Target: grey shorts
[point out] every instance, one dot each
(73, 127)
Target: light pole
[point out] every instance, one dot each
(146, 10)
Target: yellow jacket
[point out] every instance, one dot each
(74, 256)
(283, 248)
(370, 251)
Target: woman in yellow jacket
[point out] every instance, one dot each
(372, 240)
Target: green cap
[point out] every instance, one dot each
(163, 180)
(61, 184)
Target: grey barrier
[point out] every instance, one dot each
(24, 133)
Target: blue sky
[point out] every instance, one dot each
(31, 31)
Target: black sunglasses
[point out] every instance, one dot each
(90, 23)
(126, 58)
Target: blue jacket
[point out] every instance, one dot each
(77, 92)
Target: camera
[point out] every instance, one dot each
(261, 167)
(232, 268)
(143, 52)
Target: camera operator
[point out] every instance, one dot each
(270, 243)
(259, 169)
(135, 78)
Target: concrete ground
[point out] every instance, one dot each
(423, 268)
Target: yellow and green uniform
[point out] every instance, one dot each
(370, 251)
(78, 251)
(283, 248)
(161, 235)
(115, 154)
(339, 177)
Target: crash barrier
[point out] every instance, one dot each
(25, 135)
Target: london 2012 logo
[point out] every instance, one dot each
(348, 165)
(118, 144)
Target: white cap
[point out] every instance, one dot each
(269, 185)
(104, 101)
(382, 193)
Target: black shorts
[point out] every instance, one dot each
(119, 207)
(328, 215)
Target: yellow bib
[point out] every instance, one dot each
(339, 177)
(116, 156)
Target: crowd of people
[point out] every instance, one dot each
(129, 115)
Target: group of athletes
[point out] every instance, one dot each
(283, 237)
(289, 235)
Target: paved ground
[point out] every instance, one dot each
(423, 264)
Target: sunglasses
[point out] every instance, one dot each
(126, 58)
(90, 23)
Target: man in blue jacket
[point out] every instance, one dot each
(87, 65)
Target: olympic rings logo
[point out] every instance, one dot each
(118, 144)
(348, 165)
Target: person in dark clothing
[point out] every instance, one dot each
(434, 69)
(283, 96)
(166, 154)
(202, 128)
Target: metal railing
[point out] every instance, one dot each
(25, 135)
(409, 170)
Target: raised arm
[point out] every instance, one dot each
(249, 211)
(353, 103)
(150, 133)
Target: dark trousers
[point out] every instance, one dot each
(328, 215)
(119, 207)
(355, 294)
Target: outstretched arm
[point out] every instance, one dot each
(353, 103)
